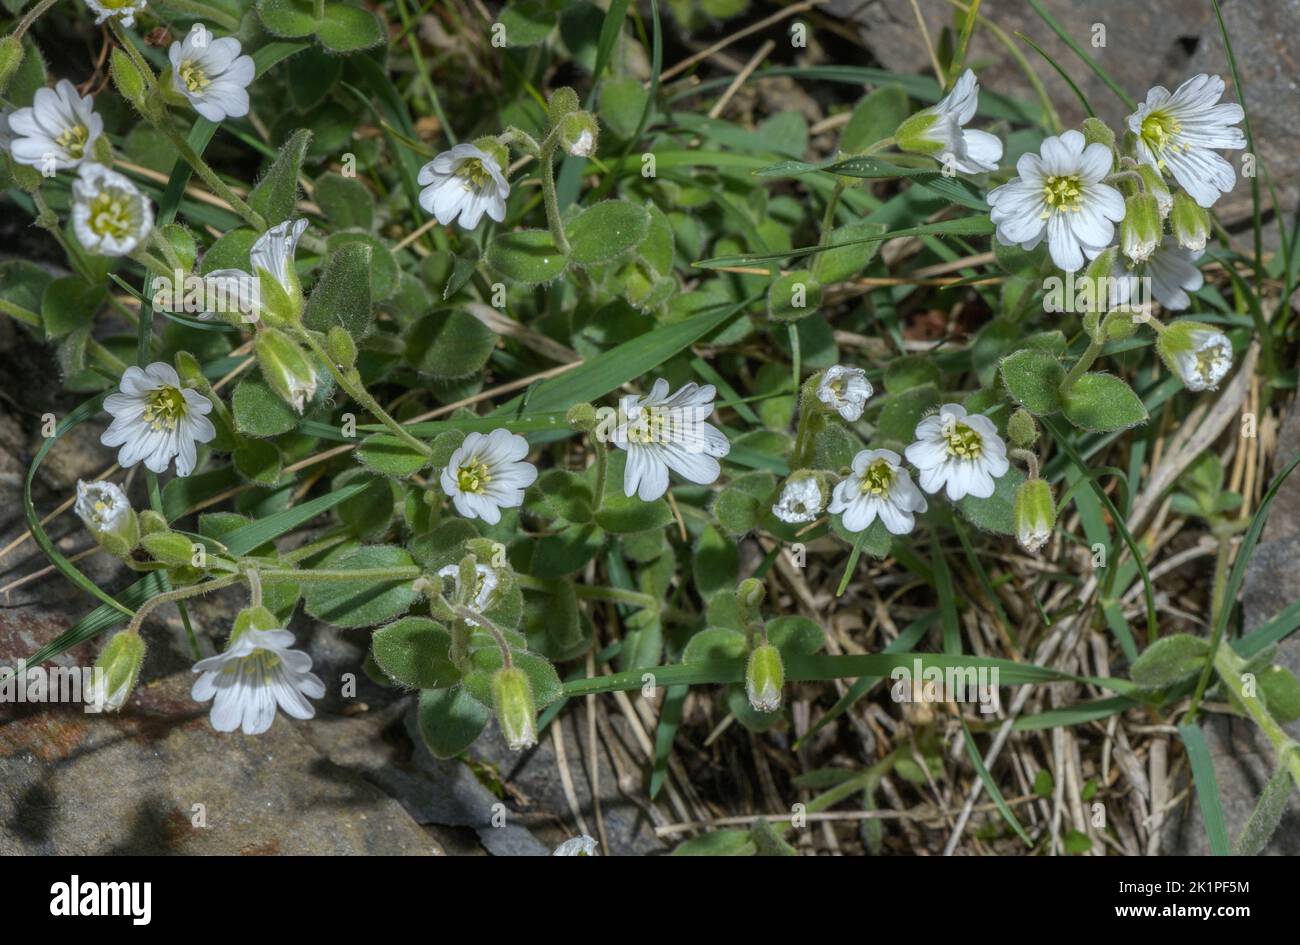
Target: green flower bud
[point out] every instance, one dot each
(512, 696)
(1140, 230)
(1201, 356)
(151, 521)
(764, 678)
(563, 101)
(1022, 430)
(106, 512)
(1190, 223)
(578, 134)
(1034, 514)
(127, 78)
(582, 417)
(1094, 285)
(285, 367)
(170, 548)
(11, 57)
(1153, 182)
(1120, 325)
(28, 178)
(1096, 131)
(116, 670)
(749, 598)
(341, 347)
(281, 302)
(915, 133)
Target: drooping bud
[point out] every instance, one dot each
(341, 347)
(1022, 430)
(1034, 514)
(1201, 356)
(764, 678)
(512, 696)
(11, 57)
(1153, 182)
(116, 670)
(803, 497)
(169, 548)
(578, 134)
(1139, 232)
(285, 367)
(105, 510)
(1190, 223)
(749, 599)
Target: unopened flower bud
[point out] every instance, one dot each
(169, 548)
(512, 696)
(285, 367)
(764, 677)
(116, 670)
(1190, 223)
(1034, 513)
(563, 101)
(803, 497)
(341, 347)
(578, 134)
(1140, 231)
(11, 57)
(1153, 182)
(1022, 431)
(1201, 356)
(582, 417)
(749, 598)
(1096, 131)
(151, 521)
(105, 510)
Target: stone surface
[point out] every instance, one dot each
(1155, 42)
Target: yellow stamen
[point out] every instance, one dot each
(195, 79)
(474, 476)
(165, 407)
(877, 479)
(963, 442)
(1062, 192)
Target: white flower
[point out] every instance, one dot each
(272, 253)
(57, 130)
(1202, 355)
(1172, 272)
(845, 390)
(466, 182)
(662, 431)
(578, 846)
(102, 506)
(1179, 133)
(938, 130)
(155, 419)
(486, 584)
(257, 671)
(878, 486)
(125, 10)
(801, 501)
(961, 452)
(109, 215)
(1060, 194)
(212, 74)
(487, 474)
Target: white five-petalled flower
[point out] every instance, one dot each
(258, 671)
(845, 390)
(212, 74)
(272, 253)
(156, 419)
(1201, 355)
(801, 500)
(1172, 272)
(962, 452)
(124, 10)
(487, 474)
(464, 182)
(939, 130)
(57, 131)
(110, 216)
(1060, 194)
(662, 431)
(1180, 132)
(102, 506)
(879, 486)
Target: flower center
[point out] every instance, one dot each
(164, 408)
(192, 74)
(258, 663)
(474, 476)
(1209, 360)
(1062, 192)
(475, 174)
(648, 427)
(877, 479)
(1158, 130)
(73, 140)
(963, 442)
(110, 215)
(103, 510)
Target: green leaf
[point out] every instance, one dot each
(390, 456)
(527, 256)
(901, 412)
(258, 461)
(362, 603)
(837, 265)
(69, 303)
(793, 296)
(718, 843)
(450, 720)
(347, 29)
(622, 101)
(385, 274)
(952, 189)
(561, 553)
(795, 636)
(714, 643)
(1281, 692)
(1207, 788)
(716, 563)
(444, 545)
(369, 511)
(553, 622)
(527, 22)
(287, 18)
(276, 195)
(449, 344)
(416, 652)
(1169, 660)
(258, 410)
(345, 201)
(342, 294)
(997, 512)
(606, 231)
(1267, 815)
(874, 118)
(1033, 378)
(1103, 403)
